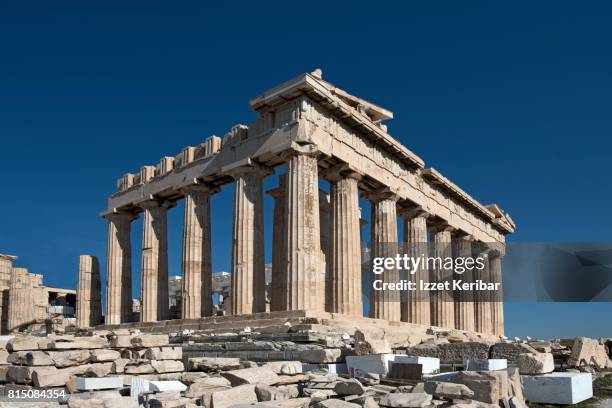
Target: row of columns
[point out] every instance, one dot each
(299, 268)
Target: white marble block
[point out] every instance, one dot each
(379, 363)
(558, 388)
(85, 384)
(491, 364)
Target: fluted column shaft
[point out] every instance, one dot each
(88, 292)
(464, 299)
(119, 269)
(21, 304)
(154, 284)
(417, 307)
(442, 306)
(278, 301)
(497, 301)
(305, 263)
(482, 299)
(384, 304)
(248, 290)
(345, 245)
(197, 263)
(325, 227)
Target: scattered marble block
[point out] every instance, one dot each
(162, 386)
(492, 364)
(558, 388)
(379, 363)
(105, 383)
(333, 368)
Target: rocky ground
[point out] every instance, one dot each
(292, 368)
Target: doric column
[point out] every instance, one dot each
(119, 268)
(248, 290)
(6, 267)
(278, 301)
(384, 304)
(345, 252)
(497, 301)
(154, 279)
(482, 298)
(324, 225)
(21, 305)
(442, 302)
(89, 306)
(197, 264)
(464, 299)
(305, 263)
(416, 307)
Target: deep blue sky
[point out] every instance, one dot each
(512, 103)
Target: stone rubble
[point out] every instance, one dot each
(103, 368)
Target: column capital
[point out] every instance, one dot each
(120, 215)
(339, 172)
(463, 236)
(381, 195)
(301, 149)
(441, 227)
(153, 203)
(496, 249)
(251, 168)
(413, 212)
(199, 186)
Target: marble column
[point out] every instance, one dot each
(345, 252)
(305, 261)
(482, 299)
(89, 306)
(416, 308)
(464, 299)
(442, 302)
(384, 304)
(154, 278)
(324, 225)
(6, 267)
(248, 288)
(197, 263)
(119, 268)
(278, 301)
(497, 300)
(21, 304)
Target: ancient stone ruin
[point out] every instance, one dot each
(319, 132)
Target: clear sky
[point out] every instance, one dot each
(511, 101)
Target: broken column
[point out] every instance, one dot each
(21, 305)
(442, 303)
(89, 306)
(345, 259)
(119, 268)
(197, 263)
(384, 304)
(248, 290)
(154, 278)
(464, 299)
(305, 263)
(278, 296)
(416, 308)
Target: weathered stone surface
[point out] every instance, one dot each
(448, 390)
(4, 357)
(19, 374)
(21, 343)
(540, 363)
(349, 387)
(49, 377)
(78, 343)
(30, 358)
(488, 386)
(118, 366)
(510, 351)
(589, 352)
(121, 340)
(150, 340)
(213, 364)
(98, 370)
(515, 384)
(404, 400)
(189, 378)
(268, 393)
(258, 375)
(139, 367)
(321, 356)
(101, 355)
(558, 388)
(167, 366)
(454, 353)
(207, 386)
(164, 353)
(243, 394)
(285, 367)
(335, 403)
(69, 358)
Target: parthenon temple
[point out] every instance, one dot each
(319, 132)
